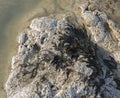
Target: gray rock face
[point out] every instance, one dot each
(57, 60)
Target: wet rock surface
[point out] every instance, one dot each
(57, 60)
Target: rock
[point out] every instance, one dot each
(84, 7)
(48, 23)
(22, 38)
(95, 25)
(83, 69)
(57, 60)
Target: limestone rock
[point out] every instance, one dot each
(22, 38)
(57, 60)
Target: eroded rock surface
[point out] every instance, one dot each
(57, 60)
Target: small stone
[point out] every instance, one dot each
(82, 68)
(22, 38)
(55, 60)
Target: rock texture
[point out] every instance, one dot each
(103, 31)
(57, 60)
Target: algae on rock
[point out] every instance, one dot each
(56, 59)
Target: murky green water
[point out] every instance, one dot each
(14, 17)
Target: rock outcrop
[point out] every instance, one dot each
(57, 60)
